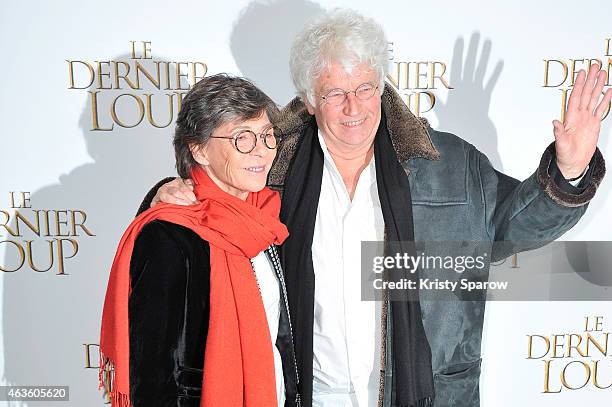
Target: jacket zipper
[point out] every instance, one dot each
(383, 349)
(279, 273)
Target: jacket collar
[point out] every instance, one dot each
(408, 133)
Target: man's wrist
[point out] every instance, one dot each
(575, 181)
(571, 174)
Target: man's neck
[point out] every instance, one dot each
(350, 166)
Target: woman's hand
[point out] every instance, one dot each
(179, 192)
(576, 138)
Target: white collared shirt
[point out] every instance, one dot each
(269, 288)
(346, 331)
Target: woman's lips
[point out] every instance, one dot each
(256, 169)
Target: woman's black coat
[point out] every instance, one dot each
(168, 318)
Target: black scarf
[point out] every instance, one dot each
(412, 373)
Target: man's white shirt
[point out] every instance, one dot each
(346, 331)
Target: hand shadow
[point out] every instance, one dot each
(466, 110)
(261, 42)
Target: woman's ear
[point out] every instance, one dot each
(199, 153)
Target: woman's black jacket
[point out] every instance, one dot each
(168, 318)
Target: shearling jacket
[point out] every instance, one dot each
(457, 195)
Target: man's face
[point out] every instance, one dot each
(351, 126)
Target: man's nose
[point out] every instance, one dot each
(351, 104)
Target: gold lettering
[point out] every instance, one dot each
(179, 100)
(574, 72)
(179, 75)
(556, 345)
(564, 378)
(603, 348)
(599, 324)
(7, 218)
(393, 75)
(60, 253)
(547, 73)
(45, 214)
(440, 76)
(530, 346)
(595, 378)
(123, 76)
(547, 378)
(607, 112)
(59, 223)
(140, 68)
(19, 217)
(418, 75)
(31, 259)
(194, 70)
(88, 347)
(134, 50)
(167, 75)
(71, 74)
(80, 224)
(141, 108)
(95, 122)
(575, 347)
(21, 256)
(564, 99)
(150, 110)
(101, 74)
(146, 50)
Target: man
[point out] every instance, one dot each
(356, 165)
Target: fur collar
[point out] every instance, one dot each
(408, 133)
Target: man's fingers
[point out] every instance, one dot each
(603, 106)
(601, 81)
(574, 99)
(587, 91)
(185, 195)
(174, 196)
(558, 129)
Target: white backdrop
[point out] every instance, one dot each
(494, 56)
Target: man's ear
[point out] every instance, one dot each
(199, 153)
(309, 107)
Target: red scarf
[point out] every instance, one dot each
(238, 362)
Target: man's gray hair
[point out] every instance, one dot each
(343, 36)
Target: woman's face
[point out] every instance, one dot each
(234, 172)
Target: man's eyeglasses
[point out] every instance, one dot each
(336, 97)
(246, 140)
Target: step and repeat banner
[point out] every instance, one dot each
(90, 94)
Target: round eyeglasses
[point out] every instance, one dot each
(336, 97)
(246, 140)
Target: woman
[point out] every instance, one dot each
(196, 298)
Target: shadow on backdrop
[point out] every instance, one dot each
(466, 110)
(261, 40)
(48, 317)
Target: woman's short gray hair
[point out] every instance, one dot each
(342, 36)
(212, 102)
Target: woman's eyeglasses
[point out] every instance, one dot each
(246, 140)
